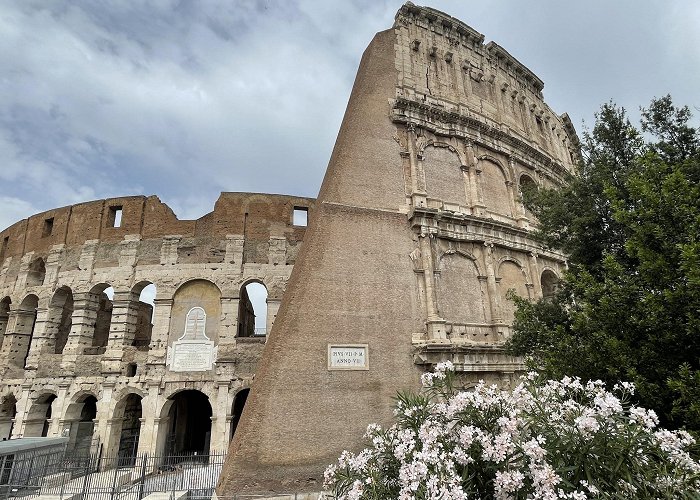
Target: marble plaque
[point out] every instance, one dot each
(348, 357)
(192, 355)
(193, 351)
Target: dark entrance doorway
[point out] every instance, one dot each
(237, 410)
(131, 428)
(189, 421)
(85, 426)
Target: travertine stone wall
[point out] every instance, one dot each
(62, 340)
(419, 233)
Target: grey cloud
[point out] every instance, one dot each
(185, 99)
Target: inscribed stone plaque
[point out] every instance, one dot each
(348, 357)
(193, 351)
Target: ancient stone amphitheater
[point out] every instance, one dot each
(102, 369)
(416, 237)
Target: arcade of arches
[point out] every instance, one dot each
(76, 327)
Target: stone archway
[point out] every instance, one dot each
(38, 419)
(80, 416)
(8, 411)
(188, 425)
(127, 416)
(237, 409)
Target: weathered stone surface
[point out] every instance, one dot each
(84, 344)
(418, 234)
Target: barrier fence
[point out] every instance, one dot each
(96, 477)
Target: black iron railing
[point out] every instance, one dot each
(117, 477)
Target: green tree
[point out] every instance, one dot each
(629, 306)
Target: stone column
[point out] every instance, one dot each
(85, 306)
(17, 341)
(161, 329)
(467, 187)
(494, 297)
(102, 431)
(221, 407)
(4, 318)
(121, 330)
(23, 406)
(43, 336)
(435, 324)
(273, 305)
(151, 421)
(418, 194)
(229, 321)
(58, 409)
(535, 275)
(477, 205)
(234, 252)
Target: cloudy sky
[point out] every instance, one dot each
(185, 99)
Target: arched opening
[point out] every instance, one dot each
(38, 419)
(252, 310)
(144, 315)
(461, 301)
(495, 188)
(444, 179)
(8, 411)
(101, 301)
(128, 412)
(4, 317)
(36, 272)
(60, 318)
(81, 414)
(550, 283)
(237, 409)
(23, 330)
(189, 424)
(512, 277)
(528, 189)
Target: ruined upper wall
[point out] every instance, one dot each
(449, 80)
(257, 217)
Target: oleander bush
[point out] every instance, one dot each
(545, 439)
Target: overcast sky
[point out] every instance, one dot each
(185, 99)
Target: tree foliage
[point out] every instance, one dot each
(629, 306)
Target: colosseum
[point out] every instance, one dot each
(416, 237)
(82, 354)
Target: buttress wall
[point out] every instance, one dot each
(418, 237)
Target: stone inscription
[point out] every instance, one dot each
(192, 356)
(193, 352)
(348, 357)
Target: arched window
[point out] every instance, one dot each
(494, 187)
(527, 188)
(144, 314)
(59, 319)
(512, 277)
(8, 410)
(550, 283)
(81, 414)
(37, 272)
(101, 299)
(252, 310)
(237, 409)
(37, 420)
(443, 175)
(127, 426)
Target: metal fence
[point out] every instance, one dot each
(95, 477)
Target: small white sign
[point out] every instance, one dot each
(348, 357)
